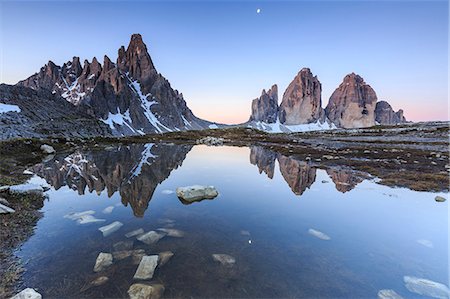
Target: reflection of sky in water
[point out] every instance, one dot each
(373, 230)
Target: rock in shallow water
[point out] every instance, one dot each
(104, 260)
(440, 199)
(146, 267)
(135, 232)
(426, 287)
(388, 294)
(28, 293)
(224, 259)
(318, 234)
(110, 228)
(145, 291)
(108, 210)
(193, 193)
(99, 281)
(123, 245)
(171, 232)
(164, 257)
(151, 237)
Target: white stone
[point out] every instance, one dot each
(388, 294)
(426, 287)
(85, 219)
(76, 216)
(28, 293)
(224, 259)
(27, 172)
(167, 192)
(110, 228)
(104, 260)
(151, 237)
(145, 291)
(5, 210)
(171, 232)
(47, 149)
(108, 210)
(196, 192)
(146, 267)
(135, 232)
(26, 188)
(318, 234)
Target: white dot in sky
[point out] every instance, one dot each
(258, 10)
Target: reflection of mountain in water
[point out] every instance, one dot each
(133, 170)
(300, 175)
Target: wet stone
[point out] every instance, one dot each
(28, 293)
(145, 291)
(151, 237)
(110, 228)
(146, 267)
(123, 245)
(224, 259)
(104, 260)
(193, 193)
(135, 232)
(99, 281)
(440, 199)
(137, 256)
(171, 232)
(164, 257)
(108, 210)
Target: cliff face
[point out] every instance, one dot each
(265, 108)
(129, 95)
(352, 104)
(302, 100)
(385, 115)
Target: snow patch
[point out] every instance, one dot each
(8, 108)
(278, 127)
(145, 155)
(213, 126)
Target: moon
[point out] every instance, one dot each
(258, 10)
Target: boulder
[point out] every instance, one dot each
(104, 260)
(110, 228)
(145, 291)
(28, 293)
(47, 149)
(146, 267)
(193, 193)
(302, 100)
(151, 237)
(352, 104)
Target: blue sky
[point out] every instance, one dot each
(220, 55)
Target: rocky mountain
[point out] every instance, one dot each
(265, 108)
(385, 115)
(133, 171)
(352, 104)
(130, 95)
(39, 113)
(302, 100)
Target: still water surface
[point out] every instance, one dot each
(294, 230)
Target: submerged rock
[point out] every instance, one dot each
(245, 233)
(76, 216)
(440, 199)
(171, 232)
(88, 219)
(146, 267)
(110, 228)
(145, 291)
(151, 237)
(135, 232)
(5, 209)
(47, 149)
(123, 254)
(28, 293)
(224, 259)
(388, 294)
(123, 245)
(193, 193)
(426, 243)
(426, 287)
(164, 257)
(137, 256)
(108, 210)
(318, 234)
(103, 261)
(99, 281)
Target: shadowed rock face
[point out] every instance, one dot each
(130, 95)
(344, 179)
(352, 104)
(134, 171)
(385, 115)
(302, 100)
(264, 159)
(265, 108)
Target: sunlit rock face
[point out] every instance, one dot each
(302, 100)
(265, 108)
(264, 159)
(345, 179)
(352, 104)
(134, 171)
(298, 174)
(385, 115)
(129, 95)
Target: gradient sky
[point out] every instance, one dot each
(220, 55)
